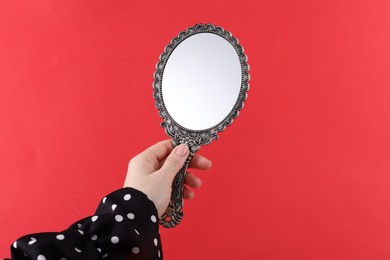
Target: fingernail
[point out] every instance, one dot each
(211, 163)
(182, 150)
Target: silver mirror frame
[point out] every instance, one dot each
(194, 138)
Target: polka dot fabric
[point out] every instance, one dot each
(124, 226)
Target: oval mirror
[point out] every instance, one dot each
(200, 85)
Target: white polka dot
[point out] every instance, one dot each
(41, 257)
(118, 218)
(94, 237)
(104, 200)
(127, 197)
(62, 258)
(153, 218)
(98, 249)
(135, 250)
(155, 242)
(94, 218)
(159, 254)
(113, 206)
(105, 255)
(115, 240)
(60, 237)
(130, 216)
(15, 244)
(136, 231)
(79, 225)
(32, 240)
(77, 250)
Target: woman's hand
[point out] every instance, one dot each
(153, 171)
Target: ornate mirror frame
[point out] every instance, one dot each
(194, 138)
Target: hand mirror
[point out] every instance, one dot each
(200, 84)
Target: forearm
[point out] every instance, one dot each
(124, 226)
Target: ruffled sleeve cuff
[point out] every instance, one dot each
(124, 226)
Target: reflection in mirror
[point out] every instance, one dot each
(201, 81)
(200, 84)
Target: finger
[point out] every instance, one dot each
(200, 162)
(159, 150)
(153, 156)
(175, 161)
(188, 193)
(192, 181)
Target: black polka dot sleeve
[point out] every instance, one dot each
(124, 226)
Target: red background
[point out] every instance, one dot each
(303, 173)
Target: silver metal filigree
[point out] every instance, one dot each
(194, 138)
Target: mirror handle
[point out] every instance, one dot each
(174, 213)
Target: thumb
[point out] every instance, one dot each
(175, 161)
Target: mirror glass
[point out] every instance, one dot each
(201, 81)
